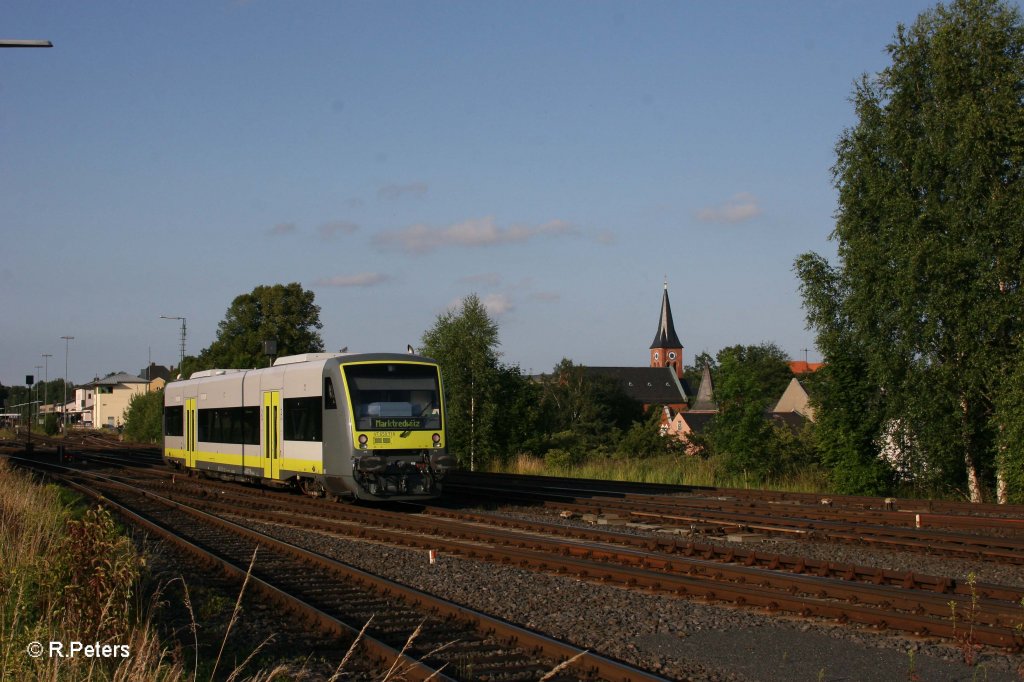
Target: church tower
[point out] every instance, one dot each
(667, 351)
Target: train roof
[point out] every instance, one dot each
(319, 359)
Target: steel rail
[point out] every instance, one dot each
(383, 655)
(600, 487)
(587, 663)
(656, 550)
(993, 624)
(963, 544)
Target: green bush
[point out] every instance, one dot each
(143, 420)
(51, 425)
(557, 458)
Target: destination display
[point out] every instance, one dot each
(395, 423)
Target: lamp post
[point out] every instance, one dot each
(25, 43)
(38, 367)
(46, 378)
(64, 407)
(183, 332)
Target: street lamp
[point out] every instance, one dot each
(25, 43)
(183, 332)
(46, 378)
(64, 407)
(38, 367)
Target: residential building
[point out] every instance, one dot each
(799, 367)
(80, 410)
(111, 397)
(795, 400)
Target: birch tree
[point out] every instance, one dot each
(930, 235)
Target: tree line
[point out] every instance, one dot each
(918, 320)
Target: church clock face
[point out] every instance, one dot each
(672, 356)
(656, 355)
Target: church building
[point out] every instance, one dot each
(661, 383)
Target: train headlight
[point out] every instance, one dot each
(437, 439)
(362, 440)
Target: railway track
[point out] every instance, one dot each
(985, 537)
(913, 603)
(451, 642)
(908, 602)
(584, 487)
(916, 604)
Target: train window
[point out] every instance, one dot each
(235, 425)
(174, 421)
(396, 396)
(303, 419)
(330, 402)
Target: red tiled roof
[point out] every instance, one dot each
(803, 367)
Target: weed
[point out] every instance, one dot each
(912, 675)
(965, 638)
(561, 666)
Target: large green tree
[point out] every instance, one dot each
(285, 313)
(749, 380)
(930, 236)
(464, 341)
(849, 408)
(584, 413)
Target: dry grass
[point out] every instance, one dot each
(670, 469)
(66, 579)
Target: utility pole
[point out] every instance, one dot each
(38, 367)
(46, 378)
(183, 334)
(64, 407)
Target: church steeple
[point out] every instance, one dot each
(667, 350)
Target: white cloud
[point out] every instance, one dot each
(422, 238)
(498, 304)
(363, 279)
(329, 230)
(740, 208)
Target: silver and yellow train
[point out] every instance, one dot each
(366, 426)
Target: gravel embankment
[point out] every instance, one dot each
(679, 638)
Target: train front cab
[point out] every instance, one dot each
(394, 430)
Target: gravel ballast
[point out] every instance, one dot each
(674, 637)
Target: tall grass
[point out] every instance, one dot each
(66, 579)
(67, 574)
(670, 469)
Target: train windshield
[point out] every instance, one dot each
(394, 396)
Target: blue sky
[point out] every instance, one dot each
(559, 159)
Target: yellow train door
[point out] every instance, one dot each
(190, 432)
(271, 434)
